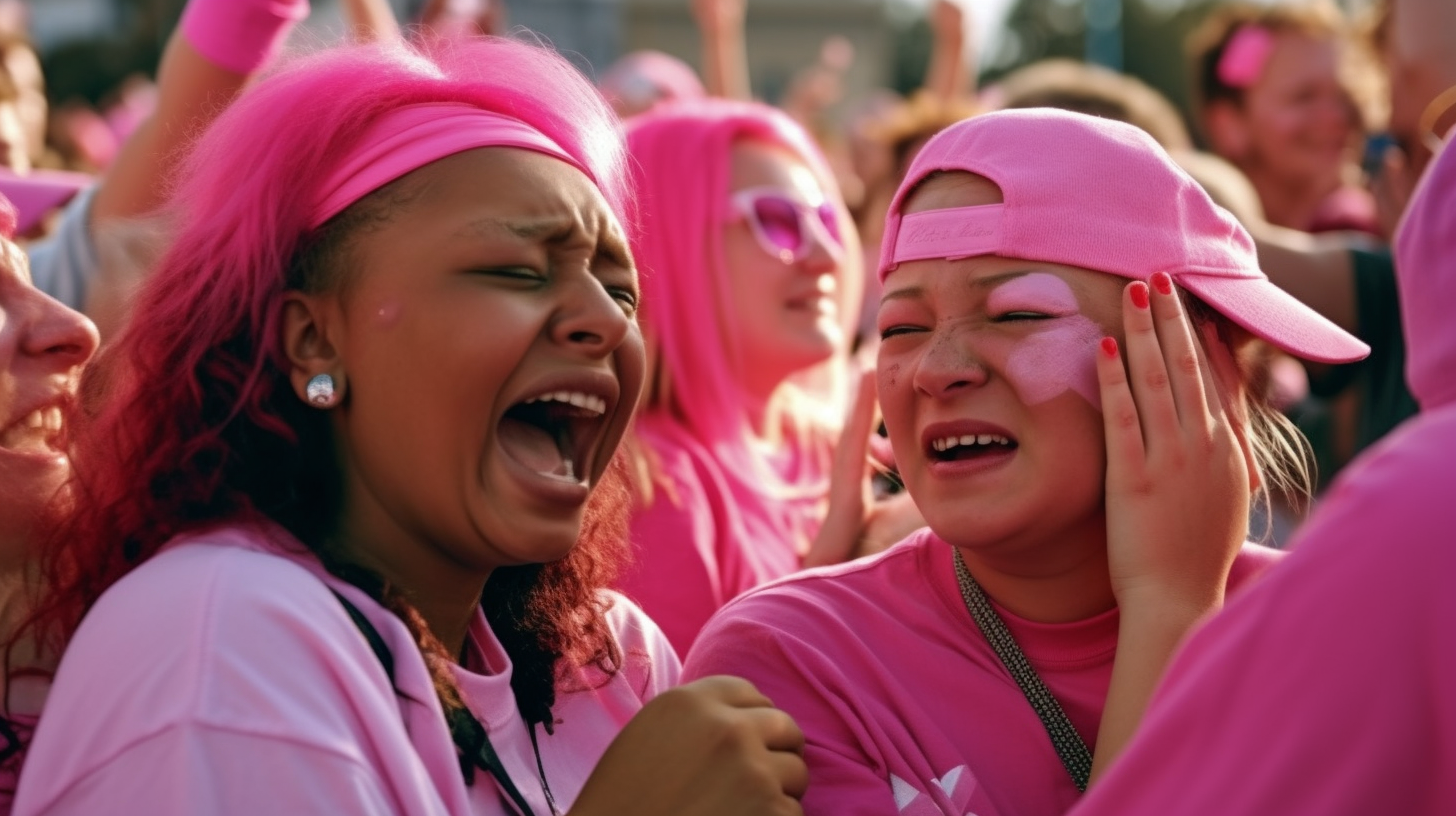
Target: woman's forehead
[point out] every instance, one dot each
(951, 189)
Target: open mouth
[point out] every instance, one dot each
(38, 432)
(969, 446)
(555, 433)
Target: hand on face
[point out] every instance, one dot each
(1178, 476)
(713, 747)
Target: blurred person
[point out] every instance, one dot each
(1278, 91)
(43, 346)
(381, 251)
(1084, 510)
(750, 279)
(1097, 91)
(641, 80)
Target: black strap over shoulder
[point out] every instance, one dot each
(459, 720)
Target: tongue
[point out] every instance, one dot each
(533, 447)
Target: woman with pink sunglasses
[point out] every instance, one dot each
(751, 281)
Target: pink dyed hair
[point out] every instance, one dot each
(682, 157)
(196, 423)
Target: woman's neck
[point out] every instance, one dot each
(1066, 580)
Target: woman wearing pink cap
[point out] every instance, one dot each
(1082, 514)
(347, 502)
(42, 348)
(750, 279)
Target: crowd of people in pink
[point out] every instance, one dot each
(416, 424)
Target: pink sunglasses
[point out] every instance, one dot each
(782, 224)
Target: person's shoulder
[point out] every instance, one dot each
(830, 595)
(648, 661)
(222, 568)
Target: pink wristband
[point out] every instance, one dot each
(240, 35)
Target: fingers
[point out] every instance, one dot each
(1182, 355)
(1148, 376)
(1119, 412)
(854, 440)
(733, 691)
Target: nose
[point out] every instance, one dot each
(61, 336)
(948, 366)
(591, 319)
(821, 252)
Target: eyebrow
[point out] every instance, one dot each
(527, 230)
(987, 282)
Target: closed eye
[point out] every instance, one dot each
(893, 331)
(520, 273)
(627, 297)
(1021, 315)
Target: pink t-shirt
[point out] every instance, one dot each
(222, 676)
(906, 707)
(1328, 688)
(705, 537)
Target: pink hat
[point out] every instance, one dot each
(1102, 195)
(39, 192)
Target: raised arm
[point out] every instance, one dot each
(725, 54)
(950, 75)
(217, 46)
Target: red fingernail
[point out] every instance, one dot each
(1109, 345)
(1164, 282)
(1140, 295)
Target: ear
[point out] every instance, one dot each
(1232, 394)
(1228, 131)
(308, 324)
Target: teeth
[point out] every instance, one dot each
(34, 432)
(946, 443)
(590, 402)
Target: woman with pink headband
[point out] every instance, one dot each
(347, 500)
(1083, 512)
(749, 277)
(1280, 93)
(43, 345)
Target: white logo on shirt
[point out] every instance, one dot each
(911, 802)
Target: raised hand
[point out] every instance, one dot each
(855, 523)
(1178, 485)
(713, 747)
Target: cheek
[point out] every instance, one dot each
(1055, 361)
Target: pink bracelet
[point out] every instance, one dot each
(240, 35)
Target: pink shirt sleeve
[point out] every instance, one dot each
(240, 35)
(1326, 687)
(814, 689)
(170, 700)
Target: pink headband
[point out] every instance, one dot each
(1244, 56)
(409, 138)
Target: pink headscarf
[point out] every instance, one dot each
(682, 157)
(1425, 266)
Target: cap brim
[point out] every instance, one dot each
(36, 195)
(1272, 314)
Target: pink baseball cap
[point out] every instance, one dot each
(39, 192)
(1101, 194)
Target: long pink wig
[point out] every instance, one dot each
(682, 159)
(197, 424)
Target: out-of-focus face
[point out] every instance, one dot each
(14, 154)
(488, 343)
(23, 66)
(988, 385)
(43, 346)
(1300, 121)
(783, 303)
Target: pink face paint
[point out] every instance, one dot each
(1058, 356)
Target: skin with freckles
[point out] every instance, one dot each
(1055, 359)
